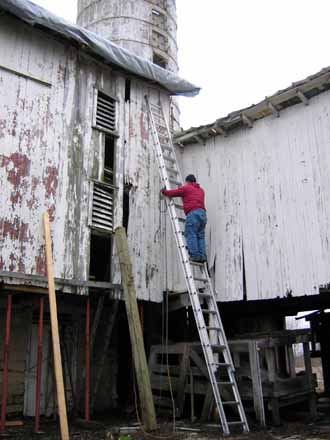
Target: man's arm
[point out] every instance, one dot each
(173, 192)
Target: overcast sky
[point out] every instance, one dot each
(240, 51)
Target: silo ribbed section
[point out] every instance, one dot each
(145, 27)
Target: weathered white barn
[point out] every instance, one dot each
(74, 142)
(266, 173)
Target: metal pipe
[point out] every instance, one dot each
(5, 365)
(87, 361)
(39, 365)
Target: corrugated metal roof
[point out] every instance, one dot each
(100, 47)
(298, 92)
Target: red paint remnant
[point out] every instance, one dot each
(12, 265)
(18, 166)
(15, 230)
(33, 201)
(51, 212)
(21, 265)
(144, 129)
(41, 261)
(51, 181)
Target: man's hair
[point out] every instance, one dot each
(191, 178)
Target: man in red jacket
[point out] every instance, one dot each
(194, 207)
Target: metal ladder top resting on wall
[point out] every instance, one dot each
(211, 333)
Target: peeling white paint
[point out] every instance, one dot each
(268, 193)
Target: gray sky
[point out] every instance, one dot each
(239, 51)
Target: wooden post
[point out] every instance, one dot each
(309, 374)
(39, 365)
(88, 361)
(55, 334)
(258, 400)
(6, 346)
(139, 355)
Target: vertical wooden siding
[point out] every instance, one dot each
(268, 196)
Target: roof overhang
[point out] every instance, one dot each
(35, 15)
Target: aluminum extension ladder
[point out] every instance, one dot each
(211, 333)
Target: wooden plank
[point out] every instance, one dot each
(258, 401)
(180, 391)
(309, 374)
(290, 360)
(139, 355)
(96, 321)
(55, 333)
(208, 404)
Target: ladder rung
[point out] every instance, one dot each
(226, 383)
(207, 295)
(208, 311)
(196, 263)
(236, 423)
(166, 147)
(222, 364)
(218, 347)
(176, 182)
(181, 219)
(213, 328)
(170, 159)
(230, 402)
(178, 206)
(172, 170)
(204, 280)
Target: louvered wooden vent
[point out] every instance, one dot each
(102, 210)
(105, 112)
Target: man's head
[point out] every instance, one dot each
(191, 178)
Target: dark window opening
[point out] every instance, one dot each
(100, 258)
(244, 276)
(127, 90)
(127, 189)
(109, 159)
(160, 61)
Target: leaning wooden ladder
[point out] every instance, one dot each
(211, 333)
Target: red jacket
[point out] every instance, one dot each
(192, 195)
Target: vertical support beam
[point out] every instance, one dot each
(139, 355)
(4, 391)
(309, 374)
(291, 361)
(88, 361)
(39, 365)
(258, 400)
(55, 333)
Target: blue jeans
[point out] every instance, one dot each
(195, 234)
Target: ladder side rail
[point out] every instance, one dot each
(222, 335)
(227, 356)
(191, 286)
(158, 150)
(170, 141)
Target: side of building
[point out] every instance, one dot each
(266, 174)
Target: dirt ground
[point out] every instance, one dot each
(289, 430)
